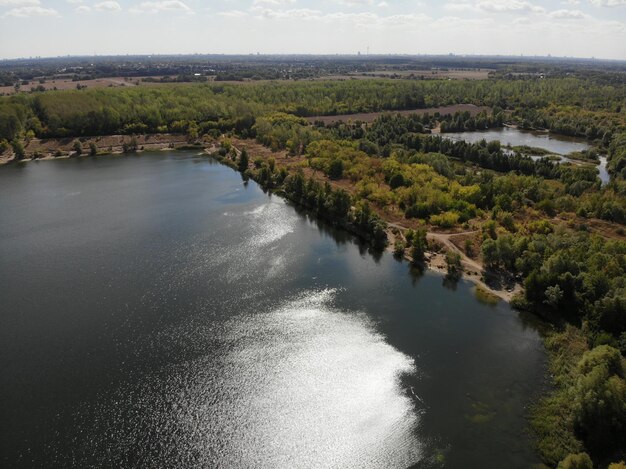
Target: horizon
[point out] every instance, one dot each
(356, 55)
(594, 29)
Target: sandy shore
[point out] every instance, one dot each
(52, 148)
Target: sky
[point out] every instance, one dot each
(572, 28)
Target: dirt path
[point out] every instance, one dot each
(472, 269)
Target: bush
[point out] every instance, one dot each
(77, 147)
(600, 400)
(445, 220)
(576, 461)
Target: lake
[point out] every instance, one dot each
(157, 312)
(558, 144)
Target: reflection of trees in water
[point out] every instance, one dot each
(340, 236)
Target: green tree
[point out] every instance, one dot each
(490, 253)
(418, 246)
(335, 169)
(600, 399)
(18, 149)
(77, 147)
(398, 248)
(454, 266)
(243, 161)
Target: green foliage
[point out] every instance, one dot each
(77, 147)
(576, 461)
(453, 263)
(244, 161)
(18, 149)
(399, 248)
(417, 240)
(600, 400)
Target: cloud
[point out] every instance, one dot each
(499, 6)
(569, 15)
(608, 3)
(4, 3)
(108, 5)
(28, 11)
(83, 9)
(353, 3)
(233, 14)
(273, 2)
(495, 6)
(160, 6)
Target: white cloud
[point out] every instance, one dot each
(74, 2)
(233, 14)
(273, 2)
(608, 3)
(28, 11)
(495, 6)
(383, 5)
(83, 9)
(159, 6)
(356, 2)
(500, 6)
(108, 5)
(569, 15)
(4, 3)
(459, 6)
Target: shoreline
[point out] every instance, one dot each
(113, 145)
(434, 260)
(57, 148)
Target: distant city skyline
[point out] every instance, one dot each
(572, 28)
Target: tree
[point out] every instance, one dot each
(490, 253)
(600, 399)
(18, 149)
(243, 161)
(77, 147)
(335, 169)
(553, 295)
(453, 263)
(418, 246)
(93, 149)
(398, 248)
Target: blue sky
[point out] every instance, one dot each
(580, 28)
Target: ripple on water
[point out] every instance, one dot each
(300, 385)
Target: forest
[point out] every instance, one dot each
(553, 226)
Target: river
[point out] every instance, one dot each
(157, 312)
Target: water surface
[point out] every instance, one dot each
(157, 312)
(559, 144)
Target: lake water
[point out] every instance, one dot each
(558, 144)
(156, 312)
